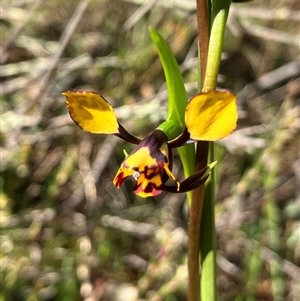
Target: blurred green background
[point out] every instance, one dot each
(66, 232)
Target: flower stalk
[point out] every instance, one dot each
(201, 231)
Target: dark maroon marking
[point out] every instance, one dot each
(189, 184)
(180, 140)
(148, 189)
(120, 179)
(123, 134)
(153, 174)
(150, 186)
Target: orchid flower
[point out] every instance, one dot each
(209, 116)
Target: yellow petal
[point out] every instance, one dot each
(91, 112)
(122, 175)
(141, 159)
(170, 174)
(211, 115)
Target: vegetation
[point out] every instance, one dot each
(66, 232)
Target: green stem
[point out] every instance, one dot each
(210, 50)
(195, 209)
(203, 37)
(219, 15)
(195, 212)
(208, 239)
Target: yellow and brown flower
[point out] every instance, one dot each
(209, 116)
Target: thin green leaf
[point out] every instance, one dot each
(177, 98)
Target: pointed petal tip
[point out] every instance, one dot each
(119, 178)
(191, 182)
(212, 164)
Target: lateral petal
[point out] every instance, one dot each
(191, 182)
(93, 113)
(211, 115)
